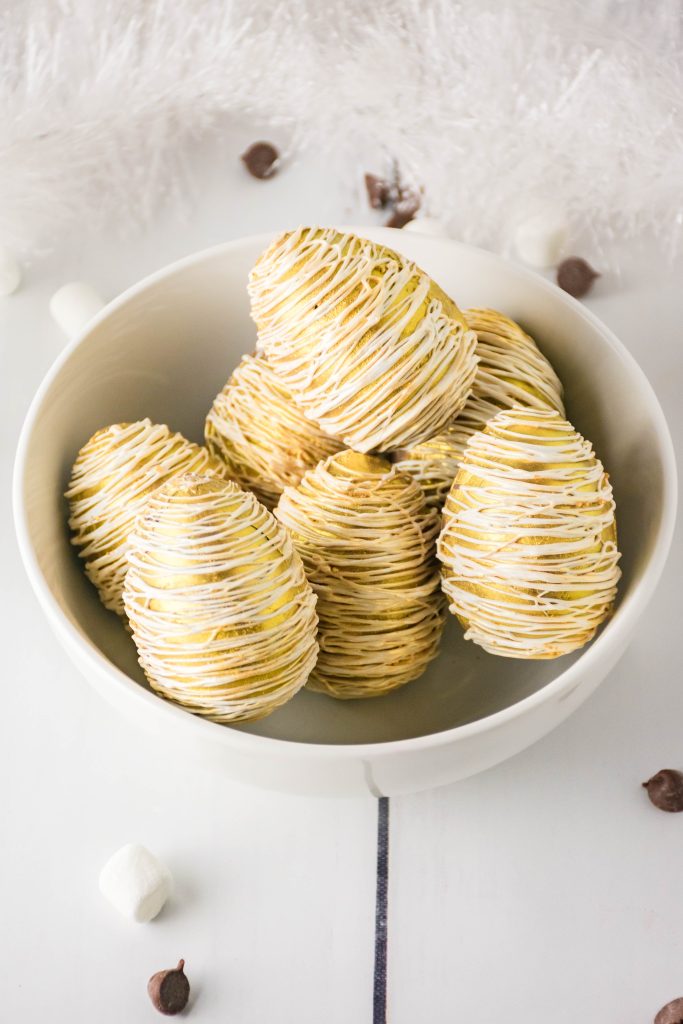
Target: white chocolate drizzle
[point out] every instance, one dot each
(528, 547)
(220, 609)
(433, 464)
(511, 371)
(112, 477)
(369, 346)
(261, 435)
(368, 545)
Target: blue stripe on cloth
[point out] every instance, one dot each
(379, 998)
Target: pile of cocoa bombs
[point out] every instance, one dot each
(381, 457)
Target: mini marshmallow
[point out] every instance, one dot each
(10, 272)
(73, 305)
(539, 240)
(135, 882)
(427, 226)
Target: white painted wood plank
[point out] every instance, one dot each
(549, 888)
(274, 911)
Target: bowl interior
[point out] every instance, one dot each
(166, 349)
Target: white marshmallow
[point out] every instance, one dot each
(73, 305)
(10, 272)
(135, 882)
(540, 239)
(427, 226)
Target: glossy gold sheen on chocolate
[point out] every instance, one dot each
(370, 348)
(113, 476)
(261, 436)
(367, 542)
(511, 371)
(219, 606)
(529, 546)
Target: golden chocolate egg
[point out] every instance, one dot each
(434, 463)
(220, 609)
(367, 541)
(511, 371)
(368, 345)
(260, 434)
(529, 544)
(111, 479)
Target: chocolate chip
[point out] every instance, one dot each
(576, 276)
(169, 990)
(665, 790)
(380, 191)
(672, 1013)
(405, 208)
(261, 159)
(404, 202)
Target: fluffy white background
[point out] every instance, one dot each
(494, 109)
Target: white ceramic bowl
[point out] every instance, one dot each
(163, 350)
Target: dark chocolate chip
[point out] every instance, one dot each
(404, 202)
(380, 191)
(405, 208)
(576, 276)
(665, 790)
(261, 159)
(169, 990)
(672, 1013)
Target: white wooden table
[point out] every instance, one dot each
(547, 889)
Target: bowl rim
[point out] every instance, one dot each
(613, 637)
